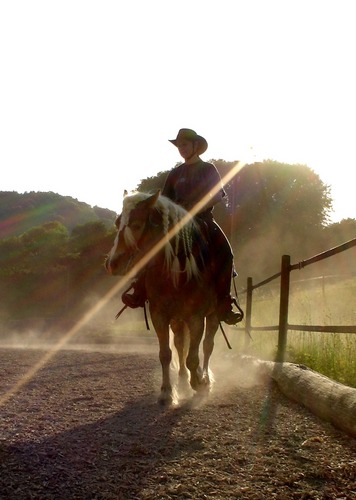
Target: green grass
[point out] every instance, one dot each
(317, 302)
(332, 354)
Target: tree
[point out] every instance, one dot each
(43, 247)
(340, 232)
(88, 245)
(271, 208)
(275, 193)
(334, 235)
(152, 184)
(33, 271)
(10, 255)
(21, 212)
(85, 237)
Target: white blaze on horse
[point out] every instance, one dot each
(161, 237)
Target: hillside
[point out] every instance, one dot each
(21, 212)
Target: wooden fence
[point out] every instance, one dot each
(283, 325)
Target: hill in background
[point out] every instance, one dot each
(21, 212)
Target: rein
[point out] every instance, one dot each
(125, 307)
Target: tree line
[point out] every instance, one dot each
(48, 269)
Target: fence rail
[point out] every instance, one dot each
(283, 325)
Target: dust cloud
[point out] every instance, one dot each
(128, 334)
(100, 332)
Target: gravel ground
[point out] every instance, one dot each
(86, 425)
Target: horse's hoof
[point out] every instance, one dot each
(183, 384)
(165, 403)
(202, 387)
(165, 400)
(194, 385)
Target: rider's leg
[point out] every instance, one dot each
(224, 265)
(138, 297)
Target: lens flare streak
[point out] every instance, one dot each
(112, 292)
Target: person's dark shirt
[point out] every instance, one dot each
(187, 184)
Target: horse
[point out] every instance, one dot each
(160, 236)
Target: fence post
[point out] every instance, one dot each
(283, 308)
(248, 311)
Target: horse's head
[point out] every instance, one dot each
(131, 225)
(150, 226)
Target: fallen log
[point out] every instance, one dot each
(329, 400)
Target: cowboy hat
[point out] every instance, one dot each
(190, 135)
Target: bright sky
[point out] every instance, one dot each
(91, 91)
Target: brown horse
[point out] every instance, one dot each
(161, 237)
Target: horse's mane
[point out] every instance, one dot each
(177, 247)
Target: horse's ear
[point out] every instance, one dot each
(152, 199)
(125, 192)
(155, 216)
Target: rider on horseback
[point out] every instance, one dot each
(187, 185)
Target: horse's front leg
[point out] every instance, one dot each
(165, 357)
(212, 324)
(196, 328)
(181, 343)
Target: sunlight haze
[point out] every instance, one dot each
(92, 91)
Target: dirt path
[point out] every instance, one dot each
(87, 426)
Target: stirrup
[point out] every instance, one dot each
(132, 300)
(230, 317)
(240, 311)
